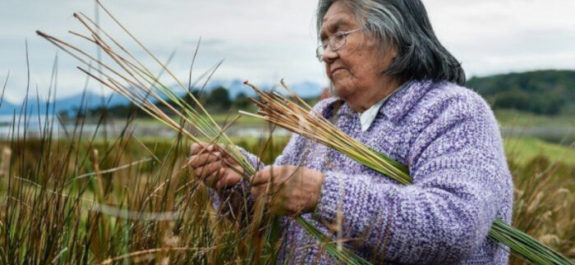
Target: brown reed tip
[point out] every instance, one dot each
(251, 85)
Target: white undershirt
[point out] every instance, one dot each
(367, 117)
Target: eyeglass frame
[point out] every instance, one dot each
(320, 50)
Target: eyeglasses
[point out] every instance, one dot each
(334, 42)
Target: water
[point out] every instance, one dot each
(30, 125)
(37, 126)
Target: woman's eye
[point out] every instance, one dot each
(338, 37)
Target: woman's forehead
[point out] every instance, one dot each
(338, 17)
(334, 25)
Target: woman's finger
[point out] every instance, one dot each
(208, 169)
(258, 191)
(263, 176)
(198, 148)
(228, 178)
(212, 179)
(203, 159)
(268, 189)
(201, 148)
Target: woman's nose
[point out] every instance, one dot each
(329, 55)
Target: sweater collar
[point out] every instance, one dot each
(398, 104)
(367, 117)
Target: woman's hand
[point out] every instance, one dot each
(214, 166)
(289, 190)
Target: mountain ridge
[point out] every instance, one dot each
(92, 100)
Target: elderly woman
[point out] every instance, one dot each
(398, 91)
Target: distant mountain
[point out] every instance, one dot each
(307, 89)
(235, 87)
(89, 100)
(7, 108)
(73, 103)
(546, 92)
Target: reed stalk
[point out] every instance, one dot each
(5, 163)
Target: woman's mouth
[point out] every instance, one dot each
(333, 71)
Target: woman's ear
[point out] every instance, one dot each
(392, 51)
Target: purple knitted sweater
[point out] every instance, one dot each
(449, 139)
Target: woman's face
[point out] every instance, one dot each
(355, 69)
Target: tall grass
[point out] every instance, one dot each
(544, 203)
(49, 215)
(78, 201)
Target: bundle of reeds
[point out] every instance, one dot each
(128, 76)
(297, 116)
(133, 80)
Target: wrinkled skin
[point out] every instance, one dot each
(212, 165)
(288, 190)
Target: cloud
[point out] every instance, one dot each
(256, 38)
(264, 40)
(497, 36)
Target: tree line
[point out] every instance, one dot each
(216, 100)
(547, 92)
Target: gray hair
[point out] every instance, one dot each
(404, 24)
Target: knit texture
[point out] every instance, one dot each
(448, 137)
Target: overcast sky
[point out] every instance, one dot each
(265, 40)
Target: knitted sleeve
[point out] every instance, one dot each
(236, 202)
(460, 175)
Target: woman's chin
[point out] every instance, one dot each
(341, 90)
